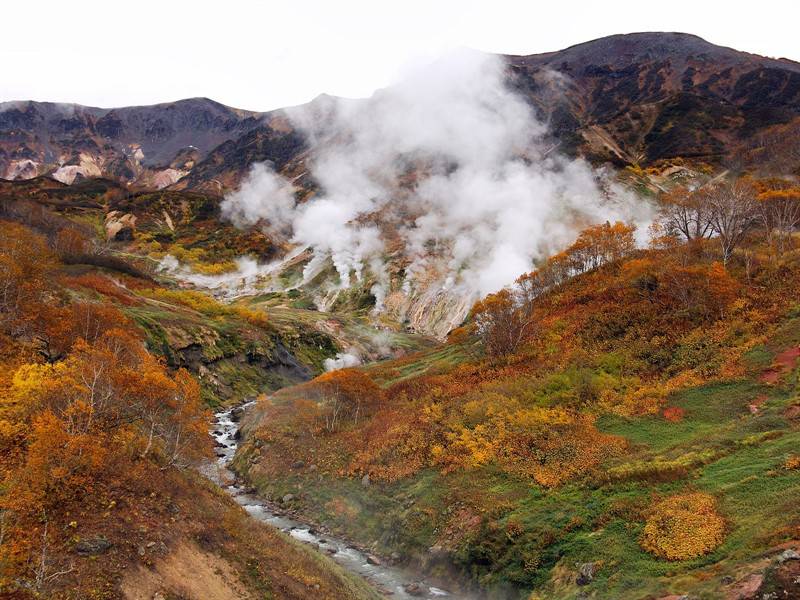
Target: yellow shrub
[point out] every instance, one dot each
(206, 304)
(683, 526)
(219, 268)
(254, 317)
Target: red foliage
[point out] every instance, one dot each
(673, 414)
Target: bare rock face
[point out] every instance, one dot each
(120, 227)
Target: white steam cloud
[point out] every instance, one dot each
(264, 195)
(343, 360)
(449, 162)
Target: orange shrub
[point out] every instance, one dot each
(673, 414)
(792, 462)
(104, 286)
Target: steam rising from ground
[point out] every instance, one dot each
(451, 160)
(343, 360)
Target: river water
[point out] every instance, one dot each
(389, 580)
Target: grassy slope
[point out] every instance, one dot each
(593, 522)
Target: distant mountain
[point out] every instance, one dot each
(628, 99)
(648, 96)
(152, 145)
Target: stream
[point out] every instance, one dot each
(396, 582)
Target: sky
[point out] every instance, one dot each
(267, 54)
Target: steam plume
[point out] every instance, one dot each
(450, 163)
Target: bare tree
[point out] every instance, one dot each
(732, 207)
(779, 210)
(687, 213)
(42, 573)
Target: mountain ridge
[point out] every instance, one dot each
(625, 99)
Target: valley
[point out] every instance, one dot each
(517, 327)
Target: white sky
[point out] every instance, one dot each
(263, 55)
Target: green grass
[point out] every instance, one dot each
(711, 412)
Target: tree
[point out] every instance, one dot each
(732, 208)
(601, 244)
(686, 212)
(502, 322)
(184, 432)
(778, 208)
(25, 266)
(346, 394)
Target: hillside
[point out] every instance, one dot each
(515, 327)
(638, 98)
(627, 428)
(106, 380)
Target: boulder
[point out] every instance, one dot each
(415, 589)
(788, 555)
(373, 560)
(93, 546)
(287, 498)
(585, 573)
(120, 227)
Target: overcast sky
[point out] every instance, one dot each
(263, 55)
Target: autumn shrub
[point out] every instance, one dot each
(254, 317)
(206, 304)
(104, 286)
(216, 268)
(699, 352)
(683, 526)
(673, 414)
(547, 445)
(792, 463)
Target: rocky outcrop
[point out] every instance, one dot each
(120, 227)
(93, 546)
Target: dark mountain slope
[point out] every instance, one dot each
(645, 96)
